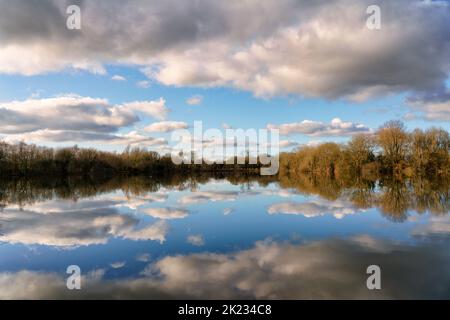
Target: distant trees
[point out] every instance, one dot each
(360, 151)
(390, 150)
(393, 140)
(22, 160)
(429, 149)
(322, 159)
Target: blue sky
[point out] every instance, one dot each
(294, 71)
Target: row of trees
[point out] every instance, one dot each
(22, 159)
(31, 160)
(391, 150)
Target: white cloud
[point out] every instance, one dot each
(69, 112)
(156, 108)
(144, 84)
(118, 78)
(77, 119)
(435, 107)
(319, 48)
(132, 138)
(336, 127)
(194, 100)
(288, 144)
(166, 126)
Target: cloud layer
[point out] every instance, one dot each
(432, 107)
(77, 118)
(336, 127)
(320, 48)
(166, 126)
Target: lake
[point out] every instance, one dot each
(224, 238)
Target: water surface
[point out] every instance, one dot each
(224, 238)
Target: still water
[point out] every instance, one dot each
(224, 238)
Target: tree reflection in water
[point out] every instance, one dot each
(394, 197)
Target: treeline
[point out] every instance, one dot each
(22, 159)
(392, 150)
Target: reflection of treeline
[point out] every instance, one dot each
(392, 169)
(30, 160)
(24, 191)
(394, 196)
(390, 150)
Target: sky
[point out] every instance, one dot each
(137, 71)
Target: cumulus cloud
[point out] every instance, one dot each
(319, 48)
(144, 84)
(132, 138)
(118, 78)
(330, 269)
(156, 108)
(60, 136)
(68, 112)
(288, 144)
(77, 119)
(166, 213)
(316, 208)
(166, 126)
(432, 107)
(194, 100)
(336, 127)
